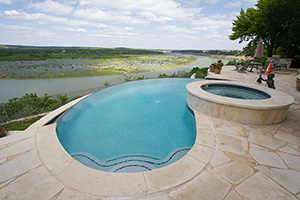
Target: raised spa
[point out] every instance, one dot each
(131, 127)
(239, 102)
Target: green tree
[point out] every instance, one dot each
(277, 22)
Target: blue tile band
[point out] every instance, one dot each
(129, 161)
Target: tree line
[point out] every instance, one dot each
(28, 53)
(210, 52)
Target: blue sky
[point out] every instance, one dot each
(150, 24)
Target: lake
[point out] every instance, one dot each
(11, 88)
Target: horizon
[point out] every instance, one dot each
(50, 46)
(163, 24)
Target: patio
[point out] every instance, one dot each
(230, 161)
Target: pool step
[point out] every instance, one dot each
(130, 163)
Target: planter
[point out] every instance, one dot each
(217, 70)
(298, 85)
(212, 68)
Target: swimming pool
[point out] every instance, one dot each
(131, 127)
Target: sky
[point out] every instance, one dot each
(146, 24)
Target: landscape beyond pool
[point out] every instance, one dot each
(131, 127)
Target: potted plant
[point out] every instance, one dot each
(298, 82)
(218, 69)
(220, 63)
(212, 67)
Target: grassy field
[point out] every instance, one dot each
(122, 64)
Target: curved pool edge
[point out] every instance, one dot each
(82, 178)
(258, 112)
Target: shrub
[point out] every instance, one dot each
(200, 72)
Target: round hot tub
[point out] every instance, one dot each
(239, 102)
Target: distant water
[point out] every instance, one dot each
(11, 88)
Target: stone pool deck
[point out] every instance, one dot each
(229, 161)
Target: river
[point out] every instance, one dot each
(11, 88)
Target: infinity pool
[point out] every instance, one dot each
(131, 127)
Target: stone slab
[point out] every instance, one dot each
(288, 137)
(19, 165)
(291, 160)
(267, 158)
(201, 153)
(233, 196)
(206, 186)
(289, 150)
(16, 136)
(36, 184)
(289, 179)
(219, 158)
(173, 175)
(234, 172)
(75, 195)
(231, 143)
(260, 186)
(205, 138)
(50, 149)
(19, 147)
(95, 182)
(265, 141)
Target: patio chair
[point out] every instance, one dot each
(275, 62)
(245, 66)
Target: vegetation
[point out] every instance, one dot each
(200, 72)
(210, 52)
(17, 125)
(127, 78)
(277, 22)
(83, 62)
(27, 53)
(31, 104)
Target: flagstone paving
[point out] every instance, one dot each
(229, 161)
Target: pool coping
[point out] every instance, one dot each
(82, 178)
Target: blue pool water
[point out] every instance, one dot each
(131, 127)
(235, 91)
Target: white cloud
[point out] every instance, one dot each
(174, 29)
(111, 23)
(51, 7)
(250, 2)
(162, 8)
(38, 17)
(212, 23)
(193, 3)
(15, 28)
(73, 29)
(211, 1)
(6, 2)
(154, 18)
(105, 16)
(231, 4)
(76, 22)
